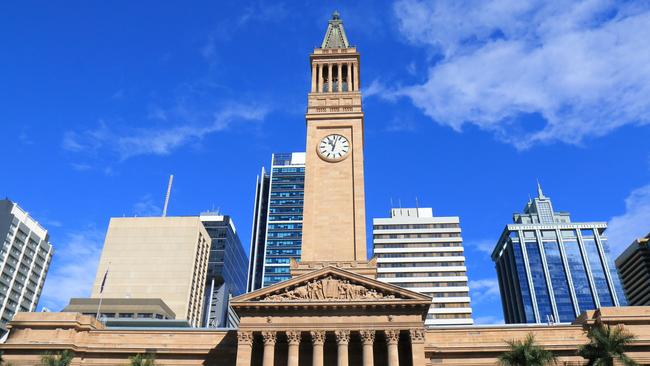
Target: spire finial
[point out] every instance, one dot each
(336, 15)
(540, 194)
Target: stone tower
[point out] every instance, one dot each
(334, 210)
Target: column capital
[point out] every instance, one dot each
(245, 337)
(269, 337)
(342, 336)
(417, 335)
(367, 336)
(293, 336)
(317, 337)
(392, 336)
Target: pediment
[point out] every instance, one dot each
(327, 285)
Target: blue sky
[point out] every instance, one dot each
(467, 104)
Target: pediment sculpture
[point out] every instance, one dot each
(328, 288)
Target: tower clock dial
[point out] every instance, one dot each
(333, 147)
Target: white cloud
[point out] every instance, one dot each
(158, 141)
(146, 207)
(634, 223)
(484, 245)
(584, 66)
(484, 290)
(73, 268)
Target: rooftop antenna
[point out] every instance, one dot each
(417, 207)
(399, 200)
(169, 191)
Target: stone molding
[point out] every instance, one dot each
(367, 336)
(245, 338)
(269, 337)
(317, 337)
(392, 336)
(293, 337)
(417, 335)
(342, 337)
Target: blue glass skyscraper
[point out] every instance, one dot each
(551, 269)
(277, 220)
(226, 275)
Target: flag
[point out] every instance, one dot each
(101, 288)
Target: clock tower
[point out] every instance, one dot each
(334, 227)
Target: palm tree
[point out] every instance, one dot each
(607, 344)
(147, 359)
(63, 358)
(526, 353)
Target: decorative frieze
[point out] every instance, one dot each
(329, 288)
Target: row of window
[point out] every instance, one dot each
(417, 255)
(415, 226)
(450, 305)
(434, 284)
(421, 274)
(449, 316)
(420, 264)
(419, 235)
(417, 245)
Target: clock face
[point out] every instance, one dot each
(333, 147)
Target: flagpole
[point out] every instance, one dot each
(101, 291)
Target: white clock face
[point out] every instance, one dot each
(334, 147)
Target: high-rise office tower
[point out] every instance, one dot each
(277, 220)
(24, 260)
(551, 269)
(226, 270)
(424, 253)
(634, 268)
(156, 258)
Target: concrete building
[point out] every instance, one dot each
(130, 308)
(551, 269)
(156, 258)
(277, 220)
(24, 260)
(424, 253)
(226, 275)
(634, 268)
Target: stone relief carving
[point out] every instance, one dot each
(328, 288)
(317, 336)
(244, 337)
(367, 336)
(293, 337)
(392, 336)
(269, 337)
(342, 336)
(417, 335)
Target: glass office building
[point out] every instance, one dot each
(551, 269)
(277, 220)
(226, 275)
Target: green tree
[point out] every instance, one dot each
(607, 344)
(147, 359)
(526, 353)
(63, 358)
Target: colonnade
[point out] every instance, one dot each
(321, 83)
(294, 337)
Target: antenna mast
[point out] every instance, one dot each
(169, 191)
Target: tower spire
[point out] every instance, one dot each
(335, 35)
(540, 194)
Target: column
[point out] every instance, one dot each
(320, 78)
(342, 340)
(417, 346)
(355, 71)
(313, 77)
(330, 79)
(293, 337)
(348, 79)
(392, 338)
(269, 348)
(339, 77)
(244, 348)
(317, 340)
(367, 336)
